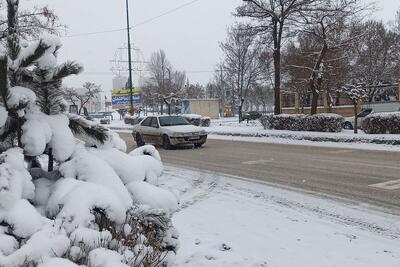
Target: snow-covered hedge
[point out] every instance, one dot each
(323, 122)
(198, 120)
(382, 123)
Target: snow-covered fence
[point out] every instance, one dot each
(323, 122)
(382, 123)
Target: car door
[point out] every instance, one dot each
(154, 131)
(144, 130)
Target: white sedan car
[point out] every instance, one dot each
(168, 131)
(350, 121)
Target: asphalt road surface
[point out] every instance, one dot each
(371, 177)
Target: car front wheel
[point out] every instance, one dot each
(348, 125)
(139, 140)
(166, 143)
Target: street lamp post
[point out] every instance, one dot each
(129, 59)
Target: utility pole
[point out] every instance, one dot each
(129, 59)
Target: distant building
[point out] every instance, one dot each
(203, 107)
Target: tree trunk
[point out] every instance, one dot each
(316, 80)
(277, 66)
(314, 101)
(240, 113)
(355, 119)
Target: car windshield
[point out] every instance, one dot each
(173, 121)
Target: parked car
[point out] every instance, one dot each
(168, 131)
(349, 121)
(251, 115)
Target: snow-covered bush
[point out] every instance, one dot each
(324, 122)
(382, 123)
(197, 120)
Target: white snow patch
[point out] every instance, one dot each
(48, 242)
(20, 96)
(152, 196)
(102, 257)
(3, 116)
(78, 199)
(90, 238)
(149, 150)
(36, 134)
(62, 141)
(15, 181)
(57, 262)
(24, 219)
(231, 222)
(85, 166)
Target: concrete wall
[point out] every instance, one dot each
(205, 107)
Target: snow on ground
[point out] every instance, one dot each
(232, 222)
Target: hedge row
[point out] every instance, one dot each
(323, 122)
(382, 123)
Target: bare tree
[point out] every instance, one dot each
(242, 62)
(376, 57)
(165, 83)
(328, 24)
(31, 23)
(276, 18)
(81, 96)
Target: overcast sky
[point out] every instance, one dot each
(190, 35)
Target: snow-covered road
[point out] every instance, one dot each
(232, 222)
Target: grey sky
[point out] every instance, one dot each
(189, 36)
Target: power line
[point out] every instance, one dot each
(93, 33)
(111, 73)
(134, 26)
(165, 13)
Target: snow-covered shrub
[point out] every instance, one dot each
(87, 211)
(197, 120)
(382, 123)
(205, 122)
(324, 122)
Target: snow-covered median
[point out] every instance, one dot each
(230, 222)
(230, 129)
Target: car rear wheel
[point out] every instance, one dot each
(139, 140)
(166, 143)
(348, 125)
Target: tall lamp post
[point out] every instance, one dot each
(129, 58)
